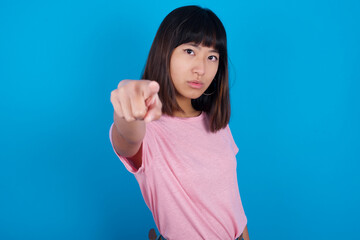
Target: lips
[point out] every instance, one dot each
(195, 84)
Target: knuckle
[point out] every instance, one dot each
(129, 118)
(123, 82)
(121, 90)
(119, 113)
(139, 114)
(136, 86)
(113, 95)
(131, 89)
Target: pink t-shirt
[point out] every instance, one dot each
(188, 179)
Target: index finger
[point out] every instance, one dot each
(150, 89)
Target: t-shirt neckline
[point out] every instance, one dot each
(187, 119)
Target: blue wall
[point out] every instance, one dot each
(295, 71)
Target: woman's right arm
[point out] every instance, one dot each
(135, 102)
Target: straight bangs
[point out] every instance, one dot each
(202, 27)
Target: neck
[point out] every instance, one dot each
(186, 106)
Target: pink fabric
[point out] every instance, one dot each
(188, 179)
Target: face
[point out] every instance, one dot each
(192, 69)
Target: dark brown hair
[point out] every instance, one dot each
(200, 26)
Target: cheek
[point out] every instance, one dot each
(213, 71)
(173, 73)
(172, 70)
(173, 65)
(177, 69)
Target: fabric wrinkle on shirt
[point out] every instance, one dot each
(188, 179)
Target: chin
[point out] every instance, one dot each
(195, 96)
(192, 94)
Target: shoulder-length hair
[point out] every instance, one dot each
(200, 26)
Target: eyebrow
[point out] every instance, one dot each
(198, 47)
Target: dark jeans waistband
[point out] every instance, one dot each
(162, 238)
(152, 236)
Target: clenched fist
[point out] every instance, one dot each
(137, 100)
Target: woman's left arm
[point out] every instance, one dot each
(246, 234)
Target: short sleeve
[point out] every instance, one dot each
(127, 163)
(232, 142)
(149, 150)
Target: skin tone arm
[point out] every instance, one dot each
(246, 234)
(135, 102)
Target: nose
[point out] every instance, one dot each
(199, 67)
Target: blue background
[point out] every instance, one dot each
(295, 115)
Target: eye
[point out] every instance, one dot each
(189, 51)
(213, 58)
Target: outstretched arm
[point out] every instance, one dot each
(135, 102)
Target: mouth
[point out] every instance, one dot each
(195, 84)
